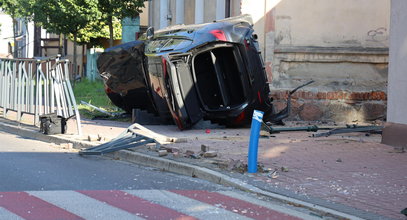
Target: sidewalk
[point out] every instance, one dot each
(351, 173)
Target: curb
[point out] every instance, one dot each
(177, 167)
(37, 135)
(216, 177)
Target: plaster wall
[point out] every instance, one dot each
(6, 33)
(397, 90)
(346, 23)
(257, 11)
(144, 15)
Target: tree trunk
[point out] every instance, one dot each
(110, 22)
(74, 71)
(60, 45)
(15, 52)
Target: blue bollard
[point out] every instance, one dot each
(254, 140)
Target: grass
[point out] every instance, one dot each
(93, 93)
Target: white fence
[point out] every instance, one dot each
(37, 87)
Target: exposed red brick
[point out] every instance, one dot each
(333, 95)
(330, 95)
(321, 95)
(341, 95)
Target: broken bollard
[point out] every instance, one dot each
(254, 140)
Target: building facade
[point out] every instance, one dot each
(396, 127)
(341, 45)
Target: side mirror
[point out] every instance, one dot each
(150, 33)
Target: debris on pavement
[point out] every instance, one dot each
(266, 127)
(100, 110)
(162, 153)
(284, 169)
(210, 153)
(204, 148)
(273, 174)
(349, 129)
(127, 139)
(93, 138)
(68, 146)
(236, 165)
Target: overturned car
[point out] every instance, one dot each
(187, 73)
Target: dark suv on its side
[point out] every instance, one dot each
(208, 71)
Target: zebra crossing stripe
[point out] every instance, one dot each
(6, 214)
(84, 206)
(135, 205)
(30, 207)
(235, 205)
(185, 205)
(270, 205)
(140, 204)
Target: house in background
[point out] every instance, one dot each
(24, 37)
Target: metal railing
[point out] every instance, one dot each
(37, 87)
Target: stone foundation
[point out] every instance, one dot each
(340, 107)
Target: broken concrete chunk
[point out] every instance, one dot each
(284, 169)
(162, 153)
(189, 152)
(173, 150)
(101, 138)
(210, 153)
(66, 146)
(204, 148)
(92, 138)
(233, 164)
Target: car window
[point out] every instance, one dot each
(167, 44)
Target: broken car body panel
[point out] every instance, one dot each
(212, 71)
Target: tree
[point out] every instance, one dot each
(96, 30)
(119, 9)
(65, 17)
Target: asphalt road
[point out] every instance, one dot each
(27, 164)
(43, 181)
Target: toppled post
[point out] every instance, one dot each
(254, 140)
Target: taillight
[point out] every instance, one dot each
(108, 90)
(259, 97)
(240, 118)
(218, 34)
(164, 62)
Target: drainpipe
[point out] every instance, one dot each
(150, 13)
(163, 13)
(179, 11)
(199, 11)
(220, 9)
